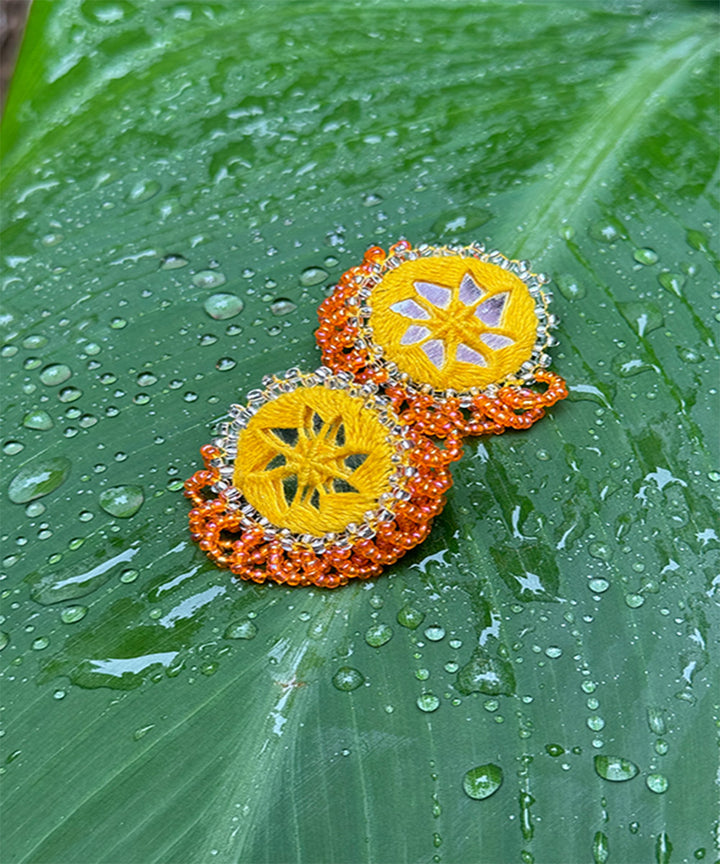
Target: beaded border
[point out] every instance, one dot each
(235, 535)
(346, 340)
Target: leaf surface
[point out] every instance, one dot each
(561, 622)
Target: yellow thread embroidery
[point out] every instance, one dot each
(313, 461)
(453, 322)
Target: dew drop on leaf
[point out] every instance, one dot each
(428, 702)
(600, 848)
(173, 262)
(615, 768)
(38, 419)
(222, 306)
(482, 781)
(312, 276)
(347, 678)
(209, 279)
(241, 630)
(410, 617)
(645, 256)
(72, 614)
(39, 478)
(121, 501)
(657, 783)
(378, 635)
(55, 374)
(282, 306)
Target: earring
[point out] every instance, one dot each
(315, 480)
(456, 337)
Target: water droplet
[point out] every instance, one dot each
(656, 720)
(35, 340)
(378, 635)
(553, 652)
(121, 501)
(663, 848)
(625, 365)
(600, 550)
(493, 676)
(554, 749)
(8, 351)
(38, 479)
(40, 643)
(657, 783)
(38, 419)
(672, 282)
(144, 190)
(410, 617)
(173, 262)
(31, 363)
(698, 240)
(689, 355)
(312, 276)
(646, 256)
(128, 575)
(69, 394)
(71, 614)
(435, 633)
(209, 279)
(241, 630)
(604, 232)
(427, 702)
(12, 448)
(600, 848)
(118, 323)
(34, 508)
(225, 364)
(346, 678)
(59, 694)
(371, 199)
(634, 601)
(482, 781)
(615, 768)
(570, 287)
(595, 722)
(55, 374)
(282, 306)
(700, 853)
(643, 317)
(4, 639)
(146, 379)
(598, 586)
(661, 747)
(223, 306)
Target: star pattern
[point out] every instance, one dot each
(311, 461)
(458, 324)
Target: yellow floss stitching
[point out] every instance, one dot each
(454, 325)
(327, 462)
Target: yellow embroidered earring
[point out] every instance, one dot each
(456, 336)
(316, 481)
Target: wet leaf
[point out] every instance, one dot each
(182, 184)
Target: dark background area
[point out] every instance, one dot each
(13, 14)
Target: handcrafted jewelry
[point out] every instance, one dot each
(316, 481)
(455, 335)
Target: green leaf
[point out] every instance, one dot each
(558, 631)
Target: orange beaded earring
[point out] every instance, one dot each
(315, 481)
(456, 336)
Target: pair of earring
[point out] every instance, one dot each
(325, 476)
